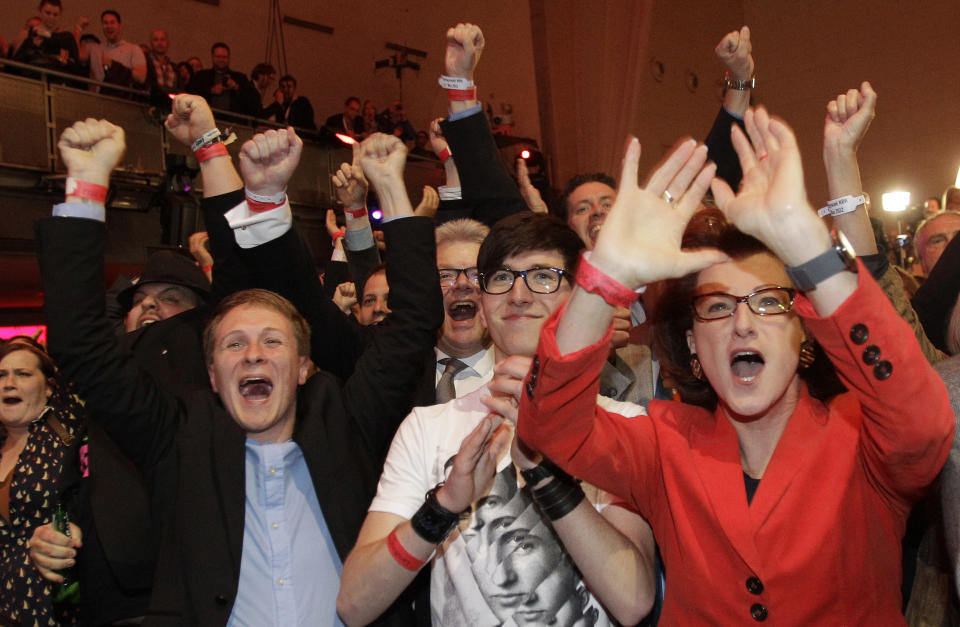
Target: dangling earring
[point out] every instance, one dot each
(696, 367)
(806, 355)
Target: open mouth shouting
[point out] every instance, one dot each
(462, 310)
(11, 400)
(256, 388)
(746, 365)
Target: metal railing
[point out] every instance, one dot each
(38, 104)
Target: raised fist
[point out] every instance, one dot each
(464, 47)
(735, 51)
(91, 149)
(383, 158)
(269, 159)
(191, 117)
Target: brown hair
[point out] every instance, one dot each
(47, 367)
(256, 298)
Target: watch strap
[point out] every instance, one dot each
(807, 275)
(533, 476)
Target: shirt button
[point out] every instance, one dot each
(758, 612)
(275, 525)
(883, 370)
(871, 355)
(754, 585)
(280, 581)
(859, 333)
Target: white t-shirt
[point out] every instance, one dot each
(504, 565)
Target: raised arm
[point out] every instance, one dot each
(190, 120)
(735, 51)
(137, 414)
(486, 186)
(379, 393)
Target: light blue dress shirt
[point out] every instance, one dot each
(290, 569)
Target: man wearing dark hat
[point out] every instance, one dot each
(170, 284)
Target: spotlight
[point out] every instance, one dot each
(376, 214)
(524, 154)
(345, 138)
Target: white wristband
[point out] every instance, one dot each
(846, 204)
(274, 199)
(455, 82)
(206, 139)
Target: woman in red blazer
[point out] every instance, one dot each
(774, 497)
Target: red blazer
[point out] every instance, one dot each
(820, 543)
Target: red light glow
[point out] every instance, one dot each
(346, 138)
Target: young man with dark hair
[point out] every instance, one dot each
(496, 557)
(349, 122)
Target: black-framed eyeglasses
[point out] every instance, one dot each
(538, 280)
(770, 301)
(450, 276)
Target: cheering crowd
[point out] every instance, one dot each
(690, 400)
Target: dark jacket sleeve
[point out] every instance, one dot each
(229, 273)
(485, 183)
(720, 148)
(140, 417)
(380, 392)
(285, 266)
(935, 299)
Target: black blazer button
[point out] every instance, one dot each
(859, 333)
(883, 370)
(758, 612)
(754, 586)
(220, 599)
(871, 355)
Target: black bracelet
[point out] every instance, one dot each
(559, 497)
(434, 522)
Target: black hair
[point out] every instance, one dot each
(262, 69)
(113, 13)
(577, 181)
(219, 44)
(288, 78)
(527, 231)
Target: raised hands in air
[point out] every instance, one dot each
(350, 183)
(189, 119)
(736, 53)
(848, 118)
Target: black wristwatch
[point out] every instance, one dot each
(832, 261)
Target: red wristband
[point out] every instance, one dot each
(594, 281)
(83, 189)
(257, 206)
(444, 154)
(338, 235)
(209, 152)
(400, 554)
(462, 94)
(356, 213)
(207, 268)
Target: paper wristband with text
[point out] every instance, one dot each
(83, 189)
(211, 151)
(615, 294)
(400, 554)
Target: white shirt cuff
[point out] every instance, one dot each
(251, 229)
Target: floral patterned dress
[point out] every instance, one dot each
(25, 596)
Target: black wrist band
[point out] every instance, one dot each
(434, 522)
(559, 497)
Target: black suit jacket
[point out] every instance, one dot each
(194, 451)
